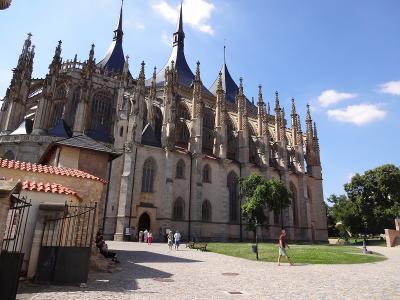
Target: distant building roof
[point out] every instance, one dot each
(228, 84)
(36, 168)
(85, 142)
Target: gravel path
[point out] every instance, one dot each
(154, 272)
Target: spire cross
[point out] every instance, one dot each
(224, 51)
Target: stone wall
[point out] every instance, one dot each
(393, 235)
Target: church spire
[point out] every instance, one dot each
(114, 59)
(179, 35)
(277, 118)
(309, 128)
(260, 111)
(118, 33)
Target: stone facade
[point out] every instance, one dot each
(393, 235)
(183, 146)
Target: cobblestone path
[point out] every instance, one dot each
(154, 272)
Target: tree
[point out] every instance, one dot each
(254, 190)
(279, 197)
(260, 194)
(372, 201)
(343, 211)
(376, 196)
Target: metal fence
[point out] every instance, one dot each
(66, 245)
(11, 256)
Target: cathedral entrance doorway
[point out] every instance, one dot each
(144, 222)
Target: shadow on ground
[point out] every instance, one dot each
(120, 281)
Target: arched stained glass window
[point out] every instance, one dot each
(148, 175)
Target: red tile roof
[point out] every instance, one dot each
(53, 188)
(30, 167)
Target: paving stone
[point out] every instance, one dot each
(155, 272)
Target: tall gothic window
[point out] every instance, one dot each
(101, 118)
(182, 131)
(57, 111)
(180, 169)
(148, 175)
(57, 106)
(182, 112)
(232, 184)
(206, 211)
(178, 210)
(208, 131)
(232, 141)
(293, 190)
(145, 121)
(73, 107)
(207, 174)
(182, 134)
(253, 157)
(158, 121)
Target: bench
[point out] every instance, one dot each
(190, 245)
(200, 246)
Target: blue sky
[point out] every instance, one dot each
(340, 56)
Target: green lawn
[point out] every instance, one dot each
(310, 254)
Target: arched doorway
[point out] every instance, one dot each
(144, 222)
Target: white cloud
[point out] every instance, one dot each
(197, 13)
(360, 114)
(330, 97)
(140, 26)
(391, 87)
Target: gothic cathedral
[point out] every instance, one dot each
(180, 147)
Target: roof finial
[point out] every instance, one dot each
(241, 86)
(224, 51)
(91, 53)
(277, 106)
(315, 131)
(219, 85)
(155, 74)
(197, 77)
(293, 107)
(308, 118)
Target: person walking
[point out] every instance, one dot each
(170, 239)
(149, 237)
(177, 237)
(282, 248)
(145, 233)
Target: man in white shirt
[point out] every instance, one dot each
(177, 237)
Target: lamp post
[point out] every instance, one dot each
(255, 247)
(365, 251)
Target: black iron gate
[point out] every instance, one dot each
(11, 256)
(65, 247)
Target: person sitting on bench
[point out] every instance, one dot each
(103, 247)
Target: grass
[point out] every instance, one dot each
(308, 254)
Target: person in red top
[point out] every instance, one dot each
(282, 248)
